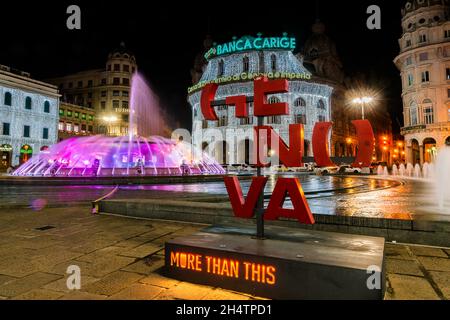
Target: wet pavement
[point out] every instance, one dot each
(327, 195)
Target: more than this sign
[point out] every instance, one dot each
(248, 43)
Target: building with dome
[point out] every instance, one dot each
(105, 90)
(233, 66)
(424, 64)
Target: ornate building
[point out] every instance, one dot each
(424, 64)
(233, 66)
(75, 121)
(28, 116)
(105, 90)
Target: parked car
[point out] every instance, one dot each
(349, 169)
(326, 170)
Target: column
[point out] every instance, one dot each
(421, 154)
(408, 154)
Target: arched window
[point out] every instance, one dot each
(221, 68)
(427, 106)
(321, 104)
(47, 107)
(8, 99)
(273, 63)
(245, 64)
(274, 99)
(299, 102)
(413, 114)
(28, 103)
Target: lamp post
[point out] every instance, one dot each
(362, 101)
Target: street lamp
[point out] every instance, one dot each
(362, 101)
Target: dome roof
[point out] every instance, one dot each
(413, 5)
(121, 51)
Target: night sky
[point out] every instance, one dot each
(165, 37)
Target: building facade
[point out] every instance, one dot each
(106, 91)
(75, 121)
(424, 64)
(28, 116)
(233, 66)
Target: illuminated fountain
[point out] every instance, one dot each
(132, 155)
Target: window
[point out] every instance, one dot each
(108, 67)
(47, 107)
(76, 128)
(428, 111)
(5, 129)
(90, 83)
(89, 105)
(90, 128)
(70, 85)
(8, 99)
(28, 103)
(299, 102)
(103, 105)
(61, 112)
(116, 103)
(83, 128)
(116, 93)
(116, 67)
(408, 43)
(125, 104)
(274, 120)
(45, 133)
(90, 117)
(223, 120)
(69, 127)
(413, 119)
(103, 81)
(321, 118)
(124, 93)
(425, 76)
(116, 81)
(273, 63)
(61, 126)
(273, 100)
(321, 105)
(447, 34)
(447, 73)
(422, 38)
(423, 56)
(80, 84)
(126, 68)
(300, 118)
(103, 94)
(69, 113)
(26, 131)
(221, 68)
(408, 61)
(246, 121)
(83, 116)
(245, 64)
(410, 80)
(126, 81)
(89, 95)
(76, 114)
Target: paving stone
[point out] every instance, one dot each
(4, 279)
(61, 268)
(113, 283)
(442, 280)
(101, 253)
(22, 285)
(427, 251)
(143, 250)
(106, 265)
(185, 291)
(220, 294)
(138, 291)
(158, 280)
(397, 252)
(81, 295)
(40, 294)
(61, 284)
(145, 266)
(400, 266)
(435, 264)
(411, 288)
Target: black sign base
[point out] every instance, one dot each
(289, 264)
